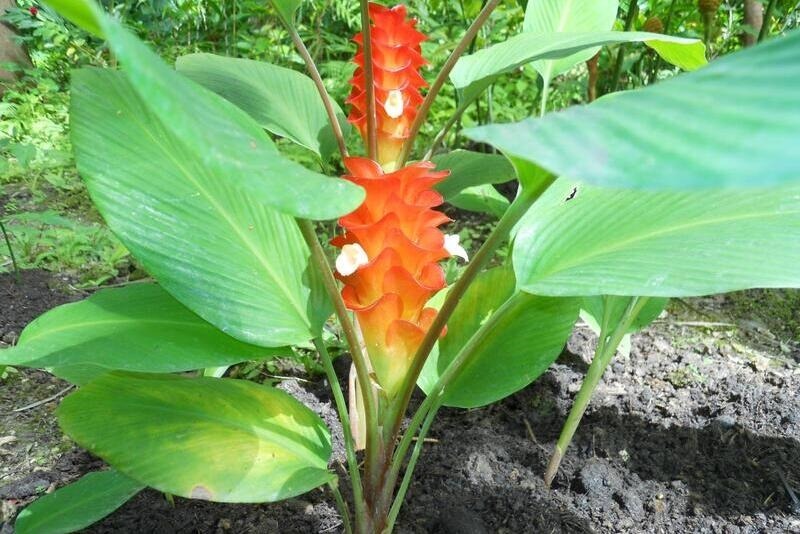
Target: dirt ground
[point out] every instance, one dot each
(698, 431)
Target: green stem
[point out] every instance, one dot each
(327, 101)
(412, 464)
(762, 34)
(10, 252)
(437, 85)
(359, 359)
(349, 443)
(545, 96)
(435, 397)
(609, 339)
(342, 506)
(369, 81)
(633, 9)
(445, 130)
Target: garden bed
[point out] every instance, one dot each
(698, 431)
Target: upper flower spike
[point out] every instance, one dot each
(397, 58)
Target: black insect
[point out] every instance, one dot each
(572, 194)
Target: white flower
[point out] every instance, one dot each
(351, 258)
(453, 246)
(394, 104)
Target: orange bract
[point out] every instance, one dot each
(397, 228)
(397, 58)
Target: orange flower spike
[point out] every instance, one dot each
(392, 245)
(397, 58)
(389, 261)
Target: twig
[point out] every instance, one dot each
(44, 401)
(10, 252)
(462, 46)
(790, 492)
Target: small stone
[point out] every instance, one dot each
(10, 338)
(726, 421)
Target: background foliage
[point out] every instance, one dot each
(45, 206)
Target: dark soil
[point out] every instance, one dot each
(697, 431)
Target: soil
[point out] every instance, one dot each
(697, 431)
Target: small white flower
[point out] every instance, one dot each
(453, 246)
(394, 104)
(351, 258)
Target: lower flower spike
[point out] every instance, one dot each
(389, 261)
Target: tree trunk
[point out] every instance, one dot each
(9, 50)
(753, 17)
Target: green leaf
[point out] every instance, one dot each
(482, 199)
(217, 249)
(286, 8)
(211, 132)
(82, 13)
(281, 100)
(596, 307)
(662, 244)
(473, 73)
(136, 328)
(77, 505)
(697, 130)
(214, 439)
(574, 16)
(468, 169)
(521, 346)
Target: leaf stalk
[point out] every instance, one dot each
(441, 78)
(608, 342)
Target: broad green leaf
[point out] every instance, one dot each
(482, 199)
(468, 169)
(521, 346)
(568, 16)
(136, 328)
(208, 131)
(238, 264)
(663, 244)
(77, 505)
(82, 13)
(473, 73)
(281, 100)
(214, 439)
(597, 307)
(697, 130)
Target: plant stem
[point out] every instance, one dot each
(437, 85)
(10, 252)
(765, 22)
(369, 80)
(327, 101)
(412, 463)
(545, 96)
(349, 444)
(359, 359)
(607, 345)
(342, 506)
(435, 396)
(633, 9)
(498, 235)
(445, 130)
